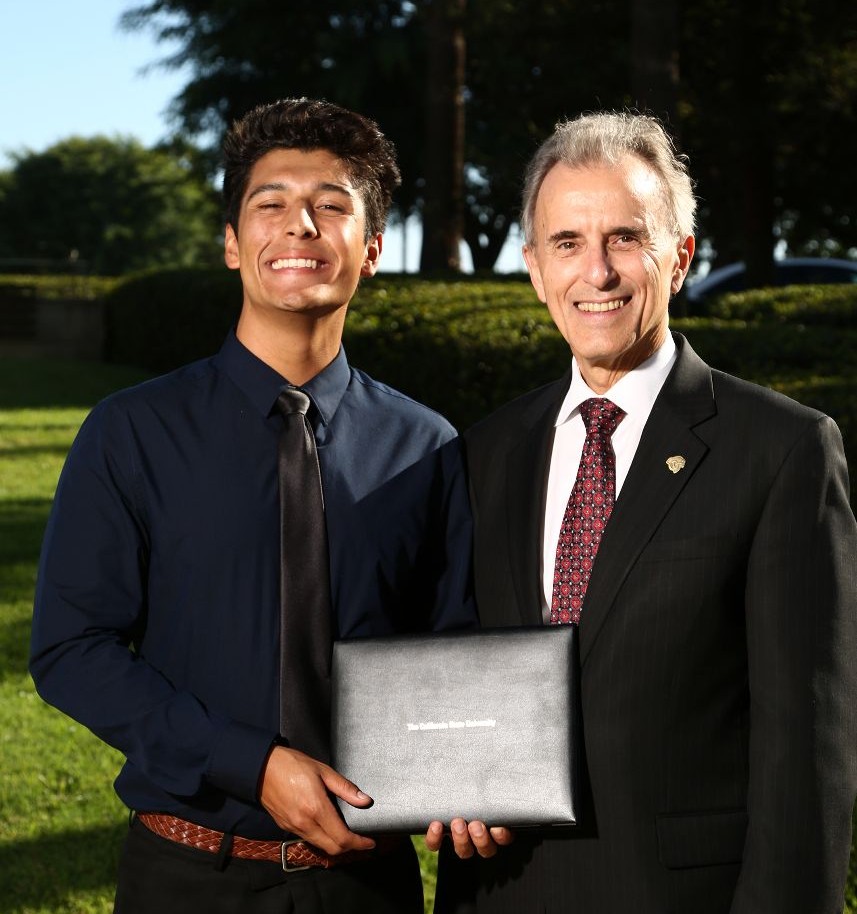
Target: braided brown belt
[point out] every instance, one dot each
(293, 855)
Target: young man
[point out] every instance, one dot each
(157, 614)
(698, 530)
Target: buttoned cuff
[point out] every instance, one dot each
(238, 758)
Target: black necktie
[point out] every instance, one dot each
(305, 607)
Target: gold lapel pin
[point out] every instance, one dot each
(674, 464)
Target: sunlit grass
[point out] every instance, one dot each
(60, 822)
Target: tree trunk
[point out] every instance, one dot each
(485, 241)
(755, 156)
(655, 57)
(443, 209)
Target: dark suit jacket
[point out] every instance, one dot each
(718, 647)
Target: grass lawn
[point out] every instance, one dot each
(61, 825)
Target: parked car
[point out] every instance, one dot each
(789, 272)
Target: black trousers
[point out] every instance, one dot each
(158, 876)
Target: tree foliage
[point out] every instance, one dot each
(362, 54)
(375, 56)
(769, 104)
(368, 56)
(529, 65)
(109, 205)
(763, 96)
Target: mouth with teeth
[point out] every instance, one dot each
(597, 307)
(296, 263)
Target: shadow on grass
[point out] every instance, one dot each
(37, 450)
(40, 872)
(30, 383)
(14, 648)
(22, 526)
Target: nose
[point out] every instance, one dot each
(299, 222)
(598, 268)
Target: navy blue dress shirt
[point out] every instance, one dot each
(156, 618)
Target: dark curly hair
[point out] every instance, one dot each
(303, 123)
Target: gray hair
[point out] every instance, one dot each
(606, 138)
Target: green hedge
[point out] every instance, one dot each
(466, 346)
(14, 287)
(801, 340)
(833, 305)
(166, 318)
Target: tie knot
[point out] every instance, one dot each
(293, 400)
(601, 416)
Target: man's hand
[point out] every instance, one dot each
(469, 838)
(295, 792)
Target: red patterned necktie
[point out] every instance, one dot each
(587, 512)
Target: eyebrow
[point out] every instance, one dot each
(564, 235)
(571, 235)
(282, 186)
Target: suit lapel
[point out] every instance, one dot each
(650, 488)
(526, 477)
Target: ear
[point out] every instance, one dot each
(230, 248)
(373, 255)
(535, 273)
(685, 256)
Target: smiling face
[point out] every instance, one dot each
(605, 264)
(300, 243)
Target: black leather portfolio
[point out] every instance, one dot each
(483, 725)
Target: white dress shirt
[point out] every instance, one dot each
(635, 393)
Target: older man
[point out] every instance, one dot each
(698, 530)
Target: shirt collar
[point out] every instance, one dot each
(262, 384)
(634, 392)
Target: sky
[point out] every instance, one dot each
(67, 69)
